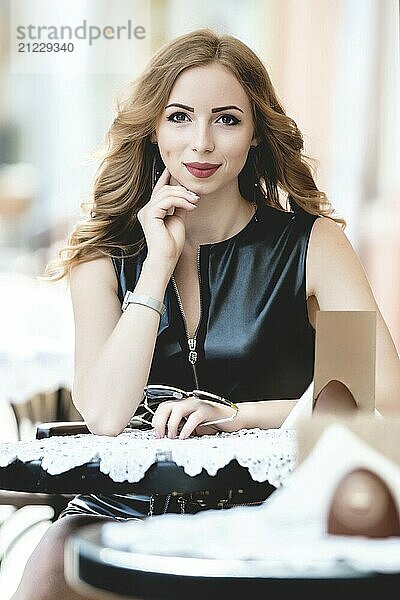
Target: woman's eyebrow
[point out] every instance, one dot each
(213, 110)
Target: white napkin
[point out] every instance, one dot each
(302, 408)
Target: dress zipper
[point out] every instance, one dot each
(192, 341)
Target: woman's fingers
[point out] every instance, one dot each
(168, 418)
(160, 418)
(180, 418)
(165, 205)
(168, 192)
(176, 417)
(191, 423)
(171, 415)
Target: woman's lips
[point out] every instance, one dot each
(201, 173)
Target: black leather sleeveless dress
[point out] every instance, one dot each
(254, 340)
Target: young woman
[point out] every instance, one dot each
(205, 208)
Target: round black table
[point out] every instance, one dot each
(96, 569)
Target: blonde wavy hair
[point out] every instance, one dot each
(123, 180)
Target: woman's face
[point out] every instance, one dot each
(207, 119)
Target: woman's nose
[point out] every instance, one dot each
(202, 139)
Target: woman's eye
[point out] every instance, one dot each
(235, 120)
(177, 114)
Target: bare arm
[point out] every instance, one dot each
(113, 350)
(339, 282)
(264, 414)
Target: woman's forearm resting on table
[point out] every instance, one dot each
(263, 414)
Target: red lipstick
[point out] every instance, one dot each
(202, 170)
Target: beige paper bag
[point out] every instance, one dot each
(345, 347)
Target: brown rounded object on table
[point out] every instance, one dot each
(335, 398)
(363, 505)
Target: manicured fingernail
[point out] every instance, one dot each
(193, 194)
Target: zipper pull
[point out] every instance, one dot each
(192, 348)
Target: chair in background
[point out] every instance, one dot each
(42, 409)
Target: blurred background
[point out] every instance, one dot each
(336, 68)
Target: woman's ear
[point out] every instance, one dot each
(254, 141)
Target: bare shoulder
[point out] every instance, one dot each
(327, 234)
(335, 274)
(95, 302)
(94, 272)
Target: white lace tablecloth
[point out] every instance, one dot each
(269, 455)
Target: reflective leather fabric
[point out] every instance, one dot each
(254, 340)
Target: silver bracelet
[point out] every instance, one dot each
(134, 298)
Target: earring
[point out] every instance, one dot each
(255, 186)
(155, 173)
